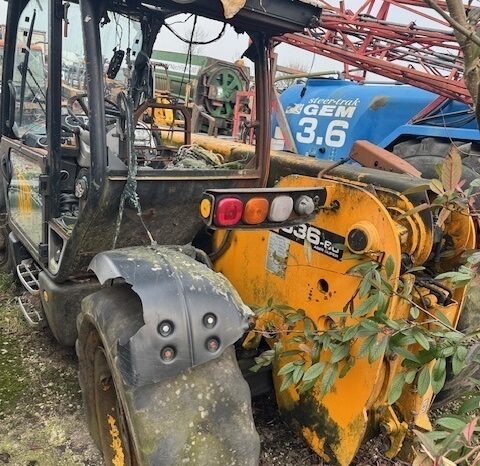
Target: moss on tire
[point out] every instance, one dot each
(202, 416)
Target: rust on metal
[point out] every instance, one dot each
(371, 156)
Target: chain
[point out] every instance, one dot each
(129, 193)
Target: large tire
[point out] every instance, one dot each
(201, 417)
(425, 154)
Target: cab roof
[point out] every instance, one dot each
(272, 17)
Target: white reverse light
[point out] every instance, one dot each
(280, 209)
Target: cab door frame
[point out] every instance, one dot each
(50, 161)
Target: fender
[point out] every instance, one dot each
(185, 305)
(449, 133)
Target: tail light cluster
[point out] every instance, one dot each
(260, 208)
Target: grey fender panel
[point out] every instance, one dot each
(176, 288)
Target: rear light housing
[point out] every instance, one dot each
(260, 208)
(281, 209)
(256, 210)
(229, 211)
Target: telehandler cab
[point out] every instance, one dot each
(110, 223)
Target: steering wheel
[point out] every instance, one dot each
(111, 109)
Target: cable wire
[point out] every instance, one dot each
(193, 42)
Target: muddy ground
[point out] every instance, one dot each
(41, 415)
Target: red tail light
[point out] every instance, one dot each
(254, 208)
(228, 212)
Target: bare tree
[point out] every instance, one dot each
(464, 21)
(199, 35)
(294, 67)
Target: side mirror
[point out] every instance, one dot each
(12, 104)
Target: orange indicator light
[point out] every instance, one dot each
(256, 211)
(205, 208)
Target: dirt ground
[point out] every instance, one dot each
(41, 415)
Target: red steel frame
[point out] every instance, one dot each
(239, 117)
(367, 41)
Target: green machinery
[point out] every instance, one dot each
(203, 81)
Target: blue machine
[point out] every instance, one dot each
(326, 116)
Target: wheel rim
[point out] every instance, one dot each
(229, 82)
(113, 431)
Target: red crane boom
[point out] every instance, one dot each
(366, 40)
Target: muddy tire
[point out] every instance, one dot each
(425, 154)
(201, 417)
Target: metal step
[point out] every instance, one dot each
(33, 313)
(27, 272)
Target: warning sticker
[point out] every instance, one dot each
(277, 254)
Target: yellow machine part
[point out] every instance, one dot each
(163, 116)
(276, 265)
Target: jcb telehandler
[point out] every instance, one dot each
(110, 224)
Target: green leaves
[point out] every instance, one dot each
(314, 371)
(458, 360)
(368, 305)
(423, 381)
(365, 346)
(414, 312)
(420, 338)
(298, 374)
(287, 368)
(377, 348)
(470, 404)
(264, 360)
(292, 372)
(286, 382)
(328, 378)
(459, 278)
(451, 423)
(350, 333)
(396, 388)
(389, 266)
(410, 376)
(340, 352)
(439, 374)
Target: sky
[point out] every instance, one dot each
(231, 46)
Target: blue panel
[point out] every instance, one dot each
(327, 116)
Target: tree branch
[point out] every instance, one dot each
(456, 25)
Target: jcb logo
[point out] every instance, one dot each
(322, 241)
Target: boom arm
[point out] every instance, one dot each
(425, 57)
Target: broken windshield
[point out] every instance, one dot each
(121, 39)
(29, 75)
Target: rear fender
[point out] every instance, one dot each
(175, 289)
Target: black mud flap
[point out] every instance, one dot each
(190, 313)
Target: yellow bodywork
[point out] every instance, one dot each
(276, 265)
(163, 116)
